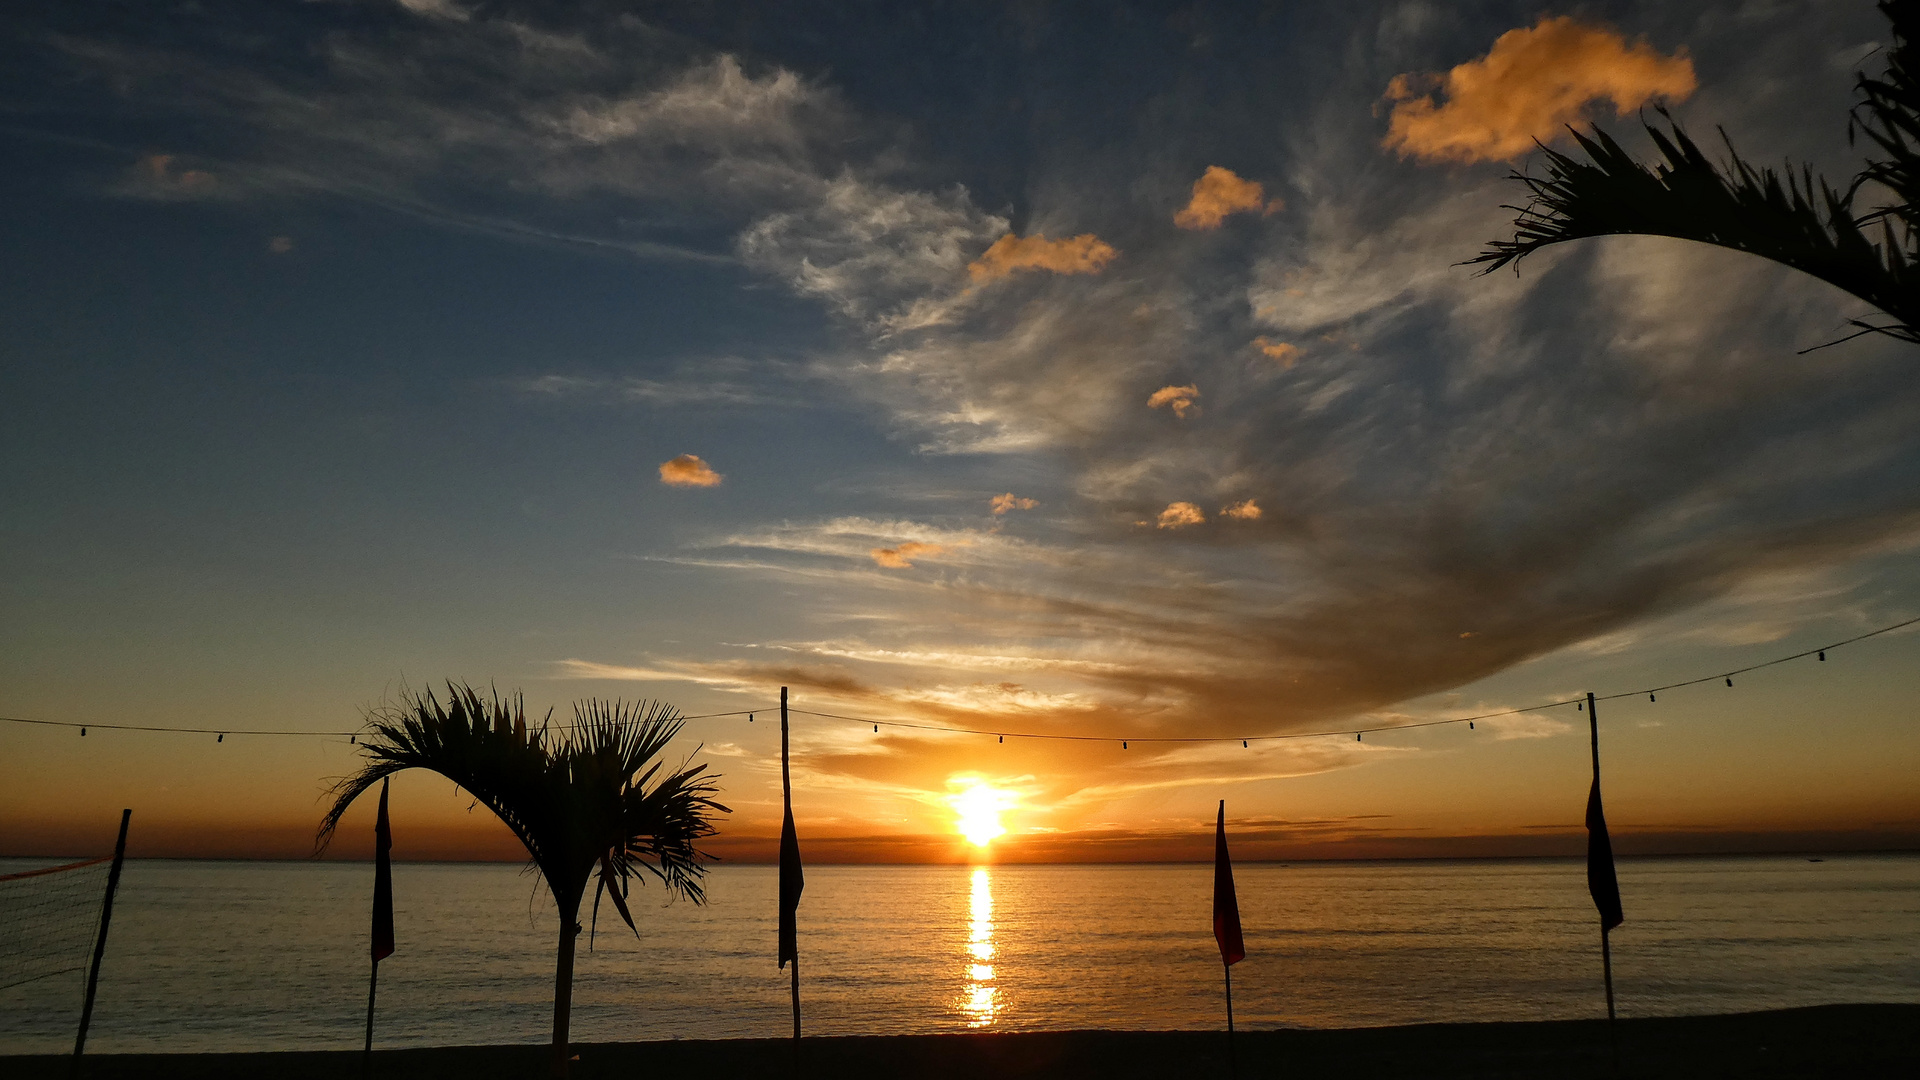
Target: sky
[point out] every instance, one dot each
(1101, 370)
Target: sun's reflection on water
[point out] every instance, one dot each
(981, 1000)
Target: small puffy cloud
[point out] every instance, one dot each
(1247, 510)
(1277, 350)
(1180, 515)
(280, 245)
(1531, 85)
(1178, 398)
(1218, 193)
(901, 557)
(1010, 501)
(159, 176)
(688, 470)
(1083, 254)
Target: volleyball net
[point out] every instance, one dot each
(49, 918)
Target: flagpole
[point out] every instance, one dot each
(1226, 921)
(381, 938)
(1233, 1063)
(1606, 948)
(366, 1055)
(786, 792)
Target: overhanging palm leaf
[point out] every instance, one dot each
(1799, 221)
(577, 801)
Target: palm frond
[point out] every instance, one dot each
(1889, 115)
(574, 801)
(1795, 219)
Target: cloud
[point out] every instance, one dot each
(1083, 254)
(437, 9)
(1219, 193)
(898, 557)
(1277, 350)
(688, 470)
(1530, 86)
(1003, 503)
(280, 245)
(1179, 398)
(162, 177)
(1245, 510)
(1180, 515)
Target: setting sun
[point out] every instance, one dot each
(978, 813)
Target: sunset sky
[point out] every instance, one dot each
(1095, 370)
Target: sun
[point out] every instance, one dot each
(977, 812)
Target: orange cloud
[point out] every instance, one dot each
(1083, 254)
(1179, 397)
(900, 558)
(1243, 511)
(1219, 193)
(160, 176)
(1277, 350)
(688, 470)
(1531, 85)
(1180, 515)
(1010, 501)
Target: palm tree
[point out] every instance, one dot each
(1801, 222)
(577, 800)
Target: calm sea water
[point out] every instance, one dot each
(244, 956)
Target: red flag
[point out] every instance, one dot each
(382, 882)
(1226, 908)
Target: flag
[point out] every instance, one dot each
(1600, 880)
(791, 882)
(382, 882)
(1226, 908)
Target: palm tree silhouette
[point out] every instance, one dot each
(577, 800)
(1801, 222)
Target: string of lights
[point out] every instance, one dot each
(1125, 743)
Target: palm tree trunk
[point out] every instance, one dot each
(563, 987)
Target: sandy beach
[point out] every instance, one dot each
(1834, 1040)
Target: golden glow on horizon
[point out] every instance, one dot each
(978, 811)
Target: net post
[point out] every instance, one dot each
(100, 942)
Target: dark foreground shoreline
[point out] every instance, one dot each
(1824, 1041)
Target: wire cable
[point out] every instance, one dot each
(1003, 735)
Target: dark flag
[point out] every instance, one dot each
(382, 882)
(1226, 907)
(791, 882)
(1600, 878)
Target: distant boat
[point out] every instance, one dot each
(1816, 860)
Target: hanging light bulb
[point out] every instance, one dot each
(221, 738)
(1357, 738)
(1729, 680)
(1243, 744)
(1003, 738)
(83, 733)
(1823, 654)
(1469, 725)
(1578, 707)
(1123, 744)
(1649, 695)
(749, 718)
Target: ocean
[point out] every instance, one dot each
(208, 956)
